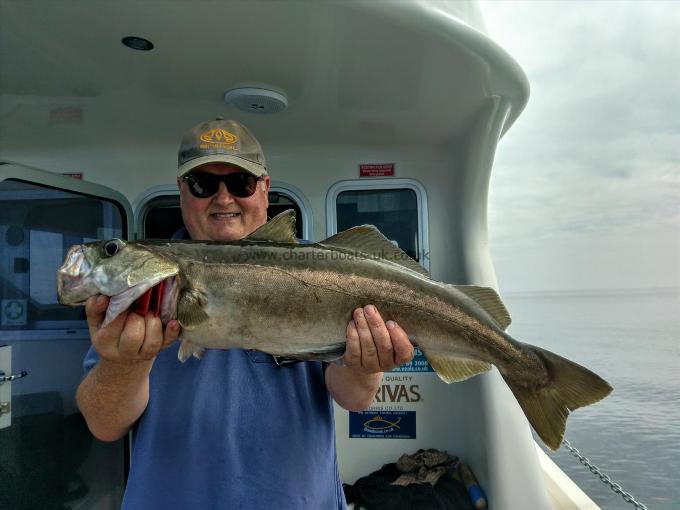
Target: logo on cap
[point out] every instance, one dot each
(218, 139)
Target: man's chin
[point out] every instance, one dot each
(226, 232)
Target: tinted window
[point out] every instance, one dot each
(37, 227)
(279, 202)
(162, 217)
(393, 211)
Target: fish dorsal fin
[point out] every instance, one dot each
(369, 240)
(280, 229)
(490, 301)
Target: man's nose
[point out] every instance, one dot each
(223, 194)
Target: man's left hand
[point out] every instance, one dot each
(374, 345)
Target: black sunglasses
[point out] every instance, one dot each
(204, 185)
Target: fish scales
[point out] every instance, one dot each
(269, 293)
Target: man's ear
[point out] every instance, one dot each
(266, 183)
(179, 187)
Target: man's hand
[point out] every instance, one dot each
(129, 337)
(373, 347)
(115, 392)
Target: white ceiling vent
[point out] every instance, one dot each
(256, 100)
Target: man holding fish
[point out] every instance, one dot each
(239, 428)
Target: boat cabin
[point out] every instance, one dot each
(386, 113)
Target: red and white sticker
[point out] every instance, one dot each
(377, 170)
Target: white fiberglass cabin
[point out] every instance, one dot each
(368, 111)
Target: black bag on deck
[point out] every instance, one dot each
(374, 492)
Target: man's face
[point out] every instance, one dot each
(223, 217)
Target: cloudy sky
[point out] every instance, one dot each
(585, 192)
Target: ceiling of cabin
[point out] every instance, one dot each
(351, 73)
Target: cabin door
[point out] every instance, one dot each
(48, 458)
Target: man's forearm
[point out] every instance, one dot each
(352, 389)
(113, 396)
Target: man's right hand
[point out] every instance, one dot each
(115, 391)
(130, 337)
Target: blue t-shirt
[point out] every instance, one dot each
(233, 430)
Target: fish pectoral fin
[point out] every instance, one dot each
(489, 300)
(187, 349)
(190, 312)
(450, 369)
(280, 229)
(369, 240)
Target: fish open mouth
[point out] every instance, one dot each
(150, 301)
(159, 299)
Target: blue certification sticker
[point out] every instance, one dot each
(382, 425)
(417, 364)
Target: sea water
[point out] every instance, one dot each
(631, 338)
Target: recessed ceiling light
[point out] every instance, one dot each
(137, 43)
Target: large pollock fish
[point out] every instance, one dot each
(270, 293)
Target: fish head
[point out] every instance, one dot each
(114, 268)
(75, 281)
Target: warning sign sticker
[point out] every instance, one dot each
(377, 170)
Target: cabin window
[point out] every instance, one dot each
(397, 208)
(38, 225)
(279, 202)
(160, 216)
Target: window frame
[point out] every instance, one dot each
(140, 205)
(297, 196)
(19, 172)
(382, 185)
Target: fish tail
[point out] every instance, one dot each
(547, 407)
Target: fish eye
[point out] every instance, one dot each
(113, 247)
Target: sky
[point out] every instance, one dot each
(585, 191)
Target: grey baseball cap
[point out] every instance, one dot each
(224, 141)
